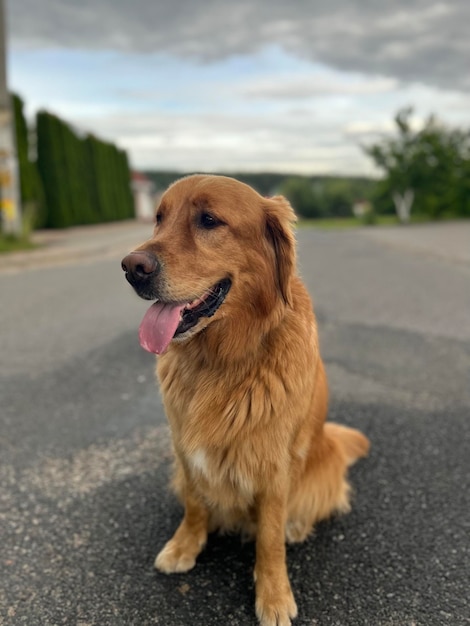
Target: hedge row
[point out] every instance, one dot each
(75, 179)
(31, 189)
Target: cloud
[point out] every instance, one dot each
(310, 86)
(200, 85)
(409, 41)
(291, 142)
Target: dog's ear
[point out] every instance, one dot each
(280, 218)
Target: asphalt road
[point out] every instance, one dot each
(85, 457)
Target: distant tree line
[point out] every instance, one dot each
(311, 196)
(67, 178)
(326, 197)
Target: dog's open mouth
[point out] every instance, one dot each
(166, 320)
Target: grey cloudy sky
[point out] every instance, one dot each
(266, 84)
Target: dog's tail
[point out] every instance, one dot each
(354, 444)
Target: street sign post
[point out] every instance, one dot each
(10, 207)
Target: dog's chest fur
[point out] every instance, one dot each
(235, 426)
(211, 425)
(224, 429)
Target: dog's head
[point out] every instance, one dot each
(220, 253)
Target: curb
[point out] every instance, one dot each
(81, 244)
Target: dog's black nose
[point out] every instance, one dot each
(139, 266)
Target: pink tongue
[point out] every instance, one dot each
(158, 326)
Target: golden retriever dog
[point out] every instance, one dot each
(242, 379)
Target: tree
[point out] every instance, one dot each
(300, 193)
(424, 168)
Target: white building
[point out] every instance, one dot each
(143, 190)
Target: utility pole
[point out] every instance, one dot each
(10, 210)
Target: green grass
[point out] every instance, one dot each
(20, 242)
(343, 223)
(10, 243)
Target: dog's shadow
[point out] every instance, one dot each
(129, 524)
(371, 562)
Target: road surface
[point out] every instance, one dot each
(85, 453)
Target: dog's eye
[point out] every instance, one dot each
(208, 221)
(158, 218)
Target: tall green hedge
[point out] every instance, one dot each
(86, 180)
(31, 189)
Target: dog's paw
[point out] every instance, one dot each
(297, 531)
(173, 559)
(275, 609)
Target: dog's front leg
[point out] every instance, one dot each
(179, 554)
(275, 604)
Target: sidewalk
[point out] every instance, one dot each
(81, 243)
(446, 240)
